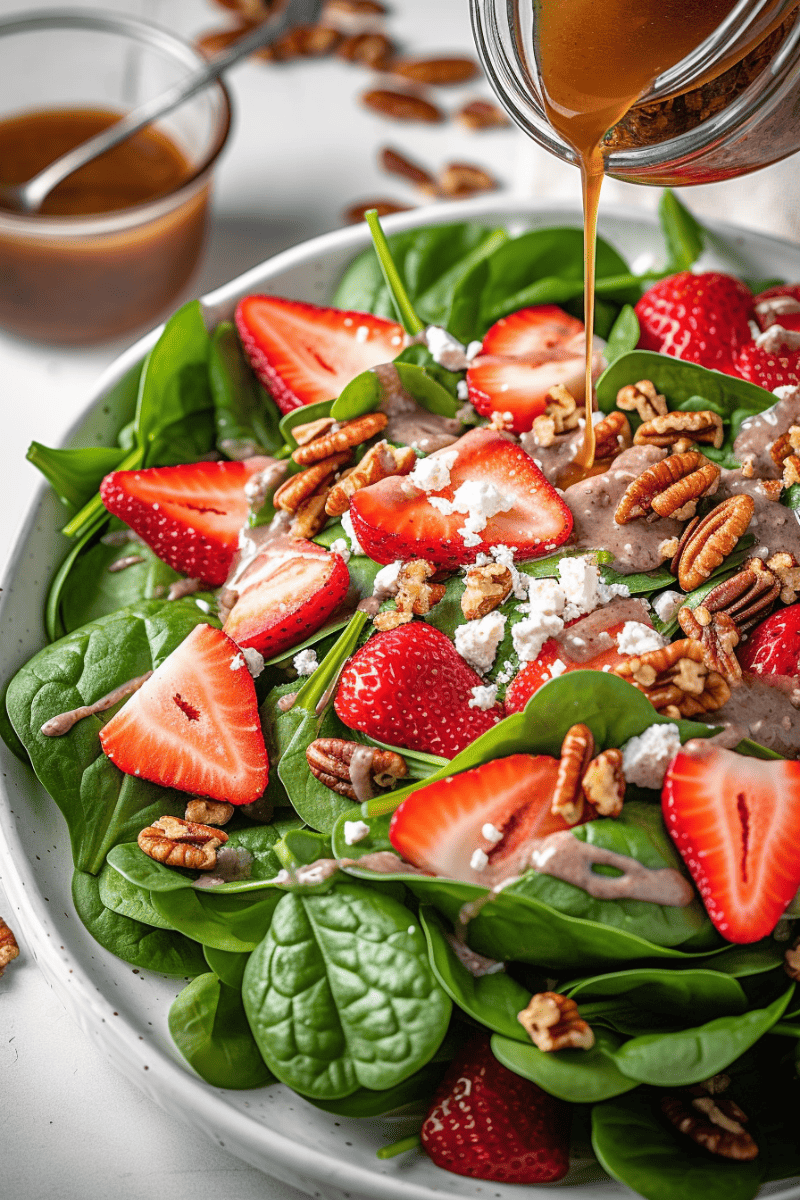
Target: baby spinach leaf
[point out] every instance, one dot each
(299, 846)
(134, 942)
(208, 1025)
(493, 1000)
(75, 474)
(102, 806)
(126, 898)
(234, 921)
(340, 994)
(740, 962)
(227, 965)
(377, 839)
(94, 588)
(419, 355)
(174, 383)
(361, 395)
(245, 415)
(53, 619)
(641, 1150)
(426, 390)
(367, 1103)
(691, 1055)
(624, 334)
(683, 233)
(696, 992)
(579, 1076)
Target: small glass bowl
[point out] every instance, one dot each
(84, 279)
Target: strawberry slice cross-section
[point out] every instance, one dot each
(736, 823)
(194, 725)
(304, 353)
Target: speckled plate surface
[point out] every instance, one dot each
(124, 1011)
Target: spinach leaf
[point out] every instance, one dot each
(246, 417)
(301, 846)
(93, 588)
(227, 965)
(127, 899)
(174, 385)
(697, 991)
(340, 995)
(365, 1102)
(131, 940)
(639, 1149)
(361, 395)
(364, 393)
(75, 474)
(683, 233)
(579, 1076)
(691, 1055)
(233, 921)
(741, 962)
(208, 1025)
(102, 806)
(493, 1000)
(420, 356)
(624, 334)
(53, 619)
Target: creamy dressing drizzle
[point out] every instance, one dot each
(409, 424)
(184, 587)
(361, 772)
(62, 723)
(122, 564)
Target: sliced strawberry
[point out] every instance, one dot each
(410, 687)
(190, 515)
(736, 824)
(194, 725)
(303, 353)
(522, 357)
(773, 648)
(393, 520)
(769, 368)
(700, 318)
(488, 1123)
(441, 826)
(285, 594)
(779, 306)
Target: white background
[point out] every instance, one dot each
(302, 150)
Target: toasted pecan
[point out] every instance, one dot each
(402, 106)
(707, 541)
(668, 487)
(705, 428)
(576, 754)
(380, 461)
(553, 1022)
(335, 441)
(297, 488)
(643, 398)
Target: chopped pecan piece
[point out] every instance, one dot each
(330, 759)
(785, 453)
(178, 843)
(297, 488)
(380, 461)
(560, 415)
(552, 1022)
(485, 588)
(643, 398)
(676, 678)
(482, 114)
(718, 636)
(787, 570)
(612, 435)
(669, 488)
(415, 596)
(311, 516)
(791, 961)
(9, 950)
(707, 541)
(303, 434)
(373, 50)
(208, 812)
(604, 784)
(665, 430)
(716, 1124)
(334, 441)
(576, 754)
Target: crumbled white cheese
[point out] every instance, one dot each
(347, 526)
(340, 547)
(386, 581)
(667, 604)
(432, 474)
(355, 831)
(446, 350)
(787, 391)
(477, 641)
(776, 339)
(254, 660)
(531, 633)
(484, 697)
(637, 638)
(557, 668)
(473, 350)
(237, 662)
(491, 833)
(506, 672)
(305, 663)
(645, 758)
(480, 500)
(584, 590)
(462, 392)
(479, 860)
(203, 605)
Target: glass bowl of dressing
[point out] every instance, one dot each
(115, 243)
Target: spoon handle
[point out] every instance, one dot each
(294, 12)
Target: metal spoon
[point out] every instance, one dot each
(28, 197)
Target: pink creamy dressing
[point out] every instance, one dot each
(122, 564)
(759, 432)
(769, 713)
(588, 636)
(62, 723)
(774, 526)
(410, 425)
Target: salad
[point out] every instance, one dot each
(449, 777)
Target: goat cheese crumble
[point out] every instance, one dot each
(305, 663)
(477, 641)
(484, 697)
(645, 758)
(637, 638)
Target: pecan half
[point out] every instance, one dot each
(785, 453)
(311, 516)
(368, 49)
(612, 435)
(297, 488)
(178, 843)
(477, 115)
(380, 461)
(485, 588)
(311, 430)
(552, 1022)
(334, 441)
(560, 415)
(329, 760)
(460, 179)
(397, 164)
(402, 106)
(643, 398)
(384, 208)
(208, 812)
(9, 950)
(668, 488)
(436, 72)
(576, 754)
(748, 595)
(676, 680)
(414, 597)
(716, 1123)
(701, 427)
(787, 570)
(718, 636)
(604, 784)
(707, 541)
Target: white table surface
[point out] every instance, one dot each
(302, 150)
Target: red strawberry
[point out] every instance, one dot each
(779, 306)
(394, 520)
(441, 826)
(489, 1123)
(189, 515)
(303, 353)
(769, 368)
(699, 318)
(736, 823)
(522, 357)
(286, 593)
(410, 687)
(773, 648)
(194, 725)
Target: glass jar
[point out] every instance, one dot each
(81, 279)
(729, 108)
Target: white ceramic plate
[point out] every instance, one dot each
(125, 1011)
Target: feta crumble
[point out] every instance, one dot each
(557, 668)
(203, 605)
(340, 547)
(637, 638)
(386, 581)
(347, 526)
(479, 860)
(462, 391)
(667, 604)
(305, 663)
(237, 662)
(254, 660)
(446, 350)
(477, 641)
(584, 590)
(432, 474)
(355, 831)
(645, 758)
(484, 697)
(491, 833)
